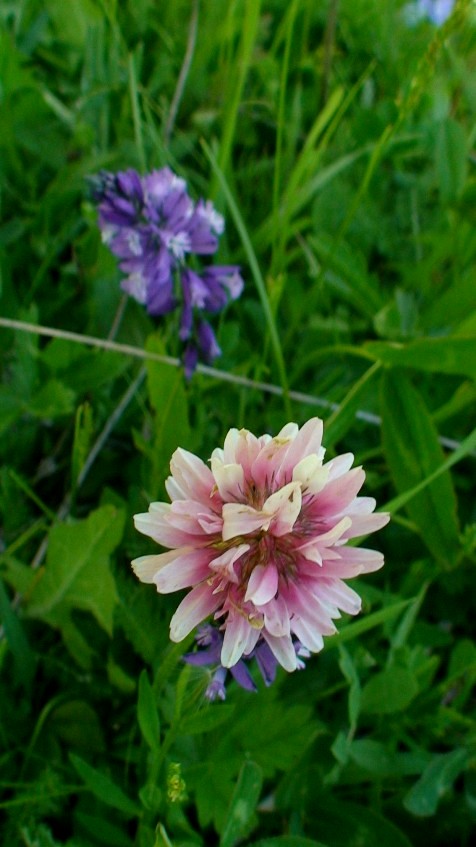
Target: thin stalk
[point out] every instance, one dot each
(257, 276)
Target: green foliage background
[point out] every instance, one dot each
(338, 141)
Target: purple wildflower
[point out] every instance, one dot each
(209, 640)
(152, 225)
(436, 11)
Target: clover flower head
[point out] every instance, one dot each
(260, 537)
(151, 224)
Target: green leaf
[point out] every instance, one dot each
(391, 690)
(413, 453)
(77, 575)
(104, 788)
(376, 758)
(287, 841)
(243, 804)
(168, 398)
(343, 824)
(53, 400)
(435, 782)
(206, 720)
(342, 419)
(83, 431)
(147, 713)
(452, 355)
(23, 656)
(451, 157)
(354, 630)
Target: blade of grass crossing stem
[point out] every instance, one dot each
(413, 452)
(243, 804)
(257, 276)
(465, 449)
(343, 417)
(354, 630)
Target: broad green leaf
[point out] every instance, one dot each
(413, 453)
(103, 829)
(104, 788)
(349, 279)
(243, 804)
(206, 720)
(77, 574)
(437, 355)
(147, 713)
(52, 400)
(451, 159)
(376, 758)
(342, 824)
(391, 690)
(435, 782)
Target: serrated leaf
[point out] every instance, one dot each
(413, 453)
(243, 804)
(104, 788)
(77, 573)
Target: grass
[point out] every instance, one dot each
(338, 142)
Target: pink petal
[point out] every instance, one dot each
(235, 641)
(239, 519)
(308, 636)
(276, 617)
(229, 479)
(246, 451)
(262, 584)
(185, 570)
(224, 564)
(283, 650)
(339, 594)
(284, 506)
(146, 567)
(192, 475)
(354, 560)
(340, 465)
(194, 608)
(307, 442)
(155, 524)
(338, 493)
(365, 524)
(269, 460)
